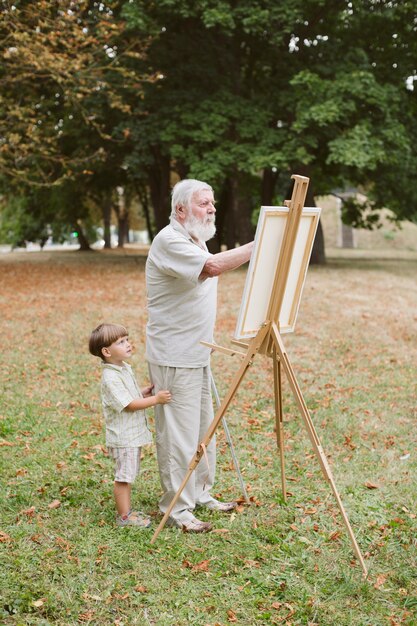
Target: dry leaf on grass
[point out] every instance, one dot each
(380, 581)
(203, 566)
(38, 603)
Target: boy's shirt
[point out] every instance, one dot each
(124, 429)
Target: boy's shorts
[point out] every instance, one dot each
(127, 463)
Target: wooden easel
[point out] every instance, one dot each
(268, 341)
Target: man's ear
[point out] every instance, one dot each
(181, 211)
(106, 353)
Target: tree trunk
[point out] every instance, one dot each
(228, 220)
(245, 230)
(106, 210)
(269, 179)
(318, 255)
(82, 239)
(122, 213)
(159, 184)
(143, 198)
(242, 210)
(236, 214)
(122, 229)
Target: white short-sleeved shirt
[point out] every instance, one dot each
(181, 307)
(124, 429)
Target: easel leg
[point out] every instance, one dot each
(279, 419)
(253, 348)
(230, 443)
(314, 438)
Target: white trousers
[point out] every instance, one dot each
(180, 426)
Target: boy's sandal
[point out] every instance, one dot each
(134, 518)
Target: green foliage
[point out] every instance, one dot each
(68, 82)
(138, 93)
(256, 106)
(19, 223)
(42, 213)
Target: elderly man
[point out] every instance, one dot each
(181, 277)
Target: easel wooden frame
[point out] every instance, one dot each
(268, 341)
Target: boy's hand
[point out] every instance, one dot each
(147, 391)
(162, 397)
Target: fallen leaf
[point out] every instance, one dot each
(203, 566)
(380, 581)
(55, 504)
(310, 511)
(197, 567)
(86, 617)
(89, 457)
(28, 512)
(370, 485)
(38, 603)
(4, 537)
(334, 536)
(231, 616)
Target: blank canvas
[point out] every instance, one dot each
(259, 283)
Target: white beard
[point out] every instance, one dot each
(200, 230)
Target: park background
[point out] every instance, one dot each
(103, 106)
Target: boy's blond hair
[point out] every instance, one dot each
(103, 336)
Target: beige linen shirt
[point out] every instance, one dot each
(181, 307)
(124, 429)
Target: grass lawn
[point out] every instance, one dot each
(354, 354)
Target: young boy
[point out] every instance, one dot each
(123, 408)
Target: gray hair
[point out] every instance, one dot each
(183, 192)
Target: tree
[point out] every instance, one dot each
(355, 113)
(252, 92)
(242, 94)
(39, 213)
(67, 82)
